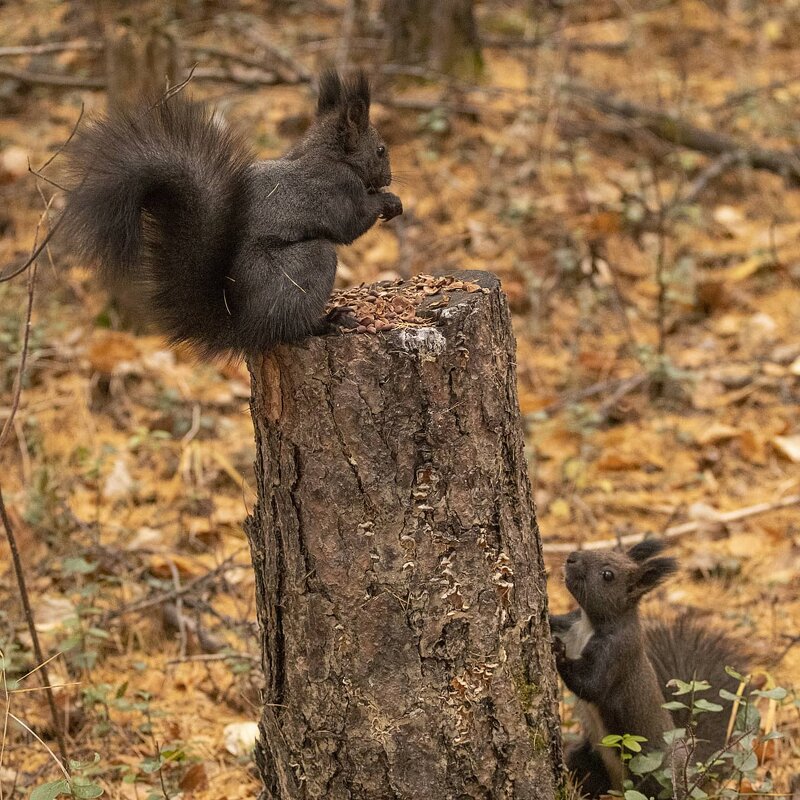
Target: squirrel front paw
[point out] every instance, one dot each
(559, 649)
(336, 319)
(391, 206)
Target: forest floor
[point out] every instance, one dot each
(655, 292)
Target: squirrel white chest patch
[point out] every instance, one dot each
(577, 637)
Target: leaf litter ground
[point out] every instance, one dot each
(129, 472)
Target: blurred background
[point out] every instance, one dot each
(631, 172)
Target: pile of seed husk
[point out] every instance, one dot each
(392, 304)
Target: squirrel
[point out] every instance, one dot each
(619, 666)
(224, 252)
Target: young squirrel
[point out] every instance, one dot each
(619, 667)
(224, 252)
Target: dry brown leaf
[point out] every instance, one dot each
(752, 446)
(110, 349)
(614, 460)
(194, 779)
(788, 447)
(717, 432)
(159, 566)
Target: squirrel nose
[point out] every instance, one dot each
(572, 558)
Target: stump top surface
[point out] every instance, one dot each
(415, 302)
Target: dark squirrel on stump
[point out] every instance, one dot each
(221, 251)
(618, 665)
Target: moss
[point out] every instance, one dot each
(527, 692)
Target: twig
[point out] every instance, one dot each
(245, 78)
(626, 387)
(675, 531)
(210, 657)
(411, 104)
(678, 131)
(176, 582)
(248, 25)
(13, 272)
(23, 358)
(615, 384)
(45, 79)
(7, 276)
(735, 98)
(229, 55)
(19, 572)
(50, 47)
(508, 42)
(179, 87)
(348, 24)
(63, 145)
(714, 170)
(143, 605)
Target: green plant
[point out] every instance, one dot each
(79, 784)
(721, 775)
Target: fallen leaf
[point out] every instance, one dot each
(195, 778)
(615, 460)
(160, 567)
(788, 447)
(240, 737)
(119, 483)
(717, 432)
(112, 351)
(752, 447)
(53, 612)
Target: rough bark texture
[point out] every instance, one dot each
(400, 583)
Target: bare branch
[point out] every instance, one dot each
(678, 131)
(44, 79)
(19, 572)
(51, 47)
(675, 531)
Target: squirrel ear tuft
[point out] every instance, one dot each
(331, 91)
(356, 105)
(647, 549)
(650, 574)
(357, 88)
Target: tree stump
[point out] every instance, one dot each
(399, 578)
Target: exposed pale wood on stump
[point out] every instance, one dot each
(399, 577)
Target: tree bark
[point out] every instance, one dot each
(400, 585)
(441, 35)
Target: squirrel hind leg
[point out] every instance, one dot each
(587, 767)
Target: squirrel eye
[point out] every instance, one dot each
(381, 150)
(607, 575)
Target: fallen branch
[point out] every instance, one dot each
(193, 585)
(424, 105)
(245, 77)
(742, 96)
(509, 42)
(678, 131)
(718, 167)
(50, 47)
(46, 79)
(675, 531)
(619, 386)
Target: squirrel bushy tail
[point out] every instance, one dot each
(157, 201)
(686, 649)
